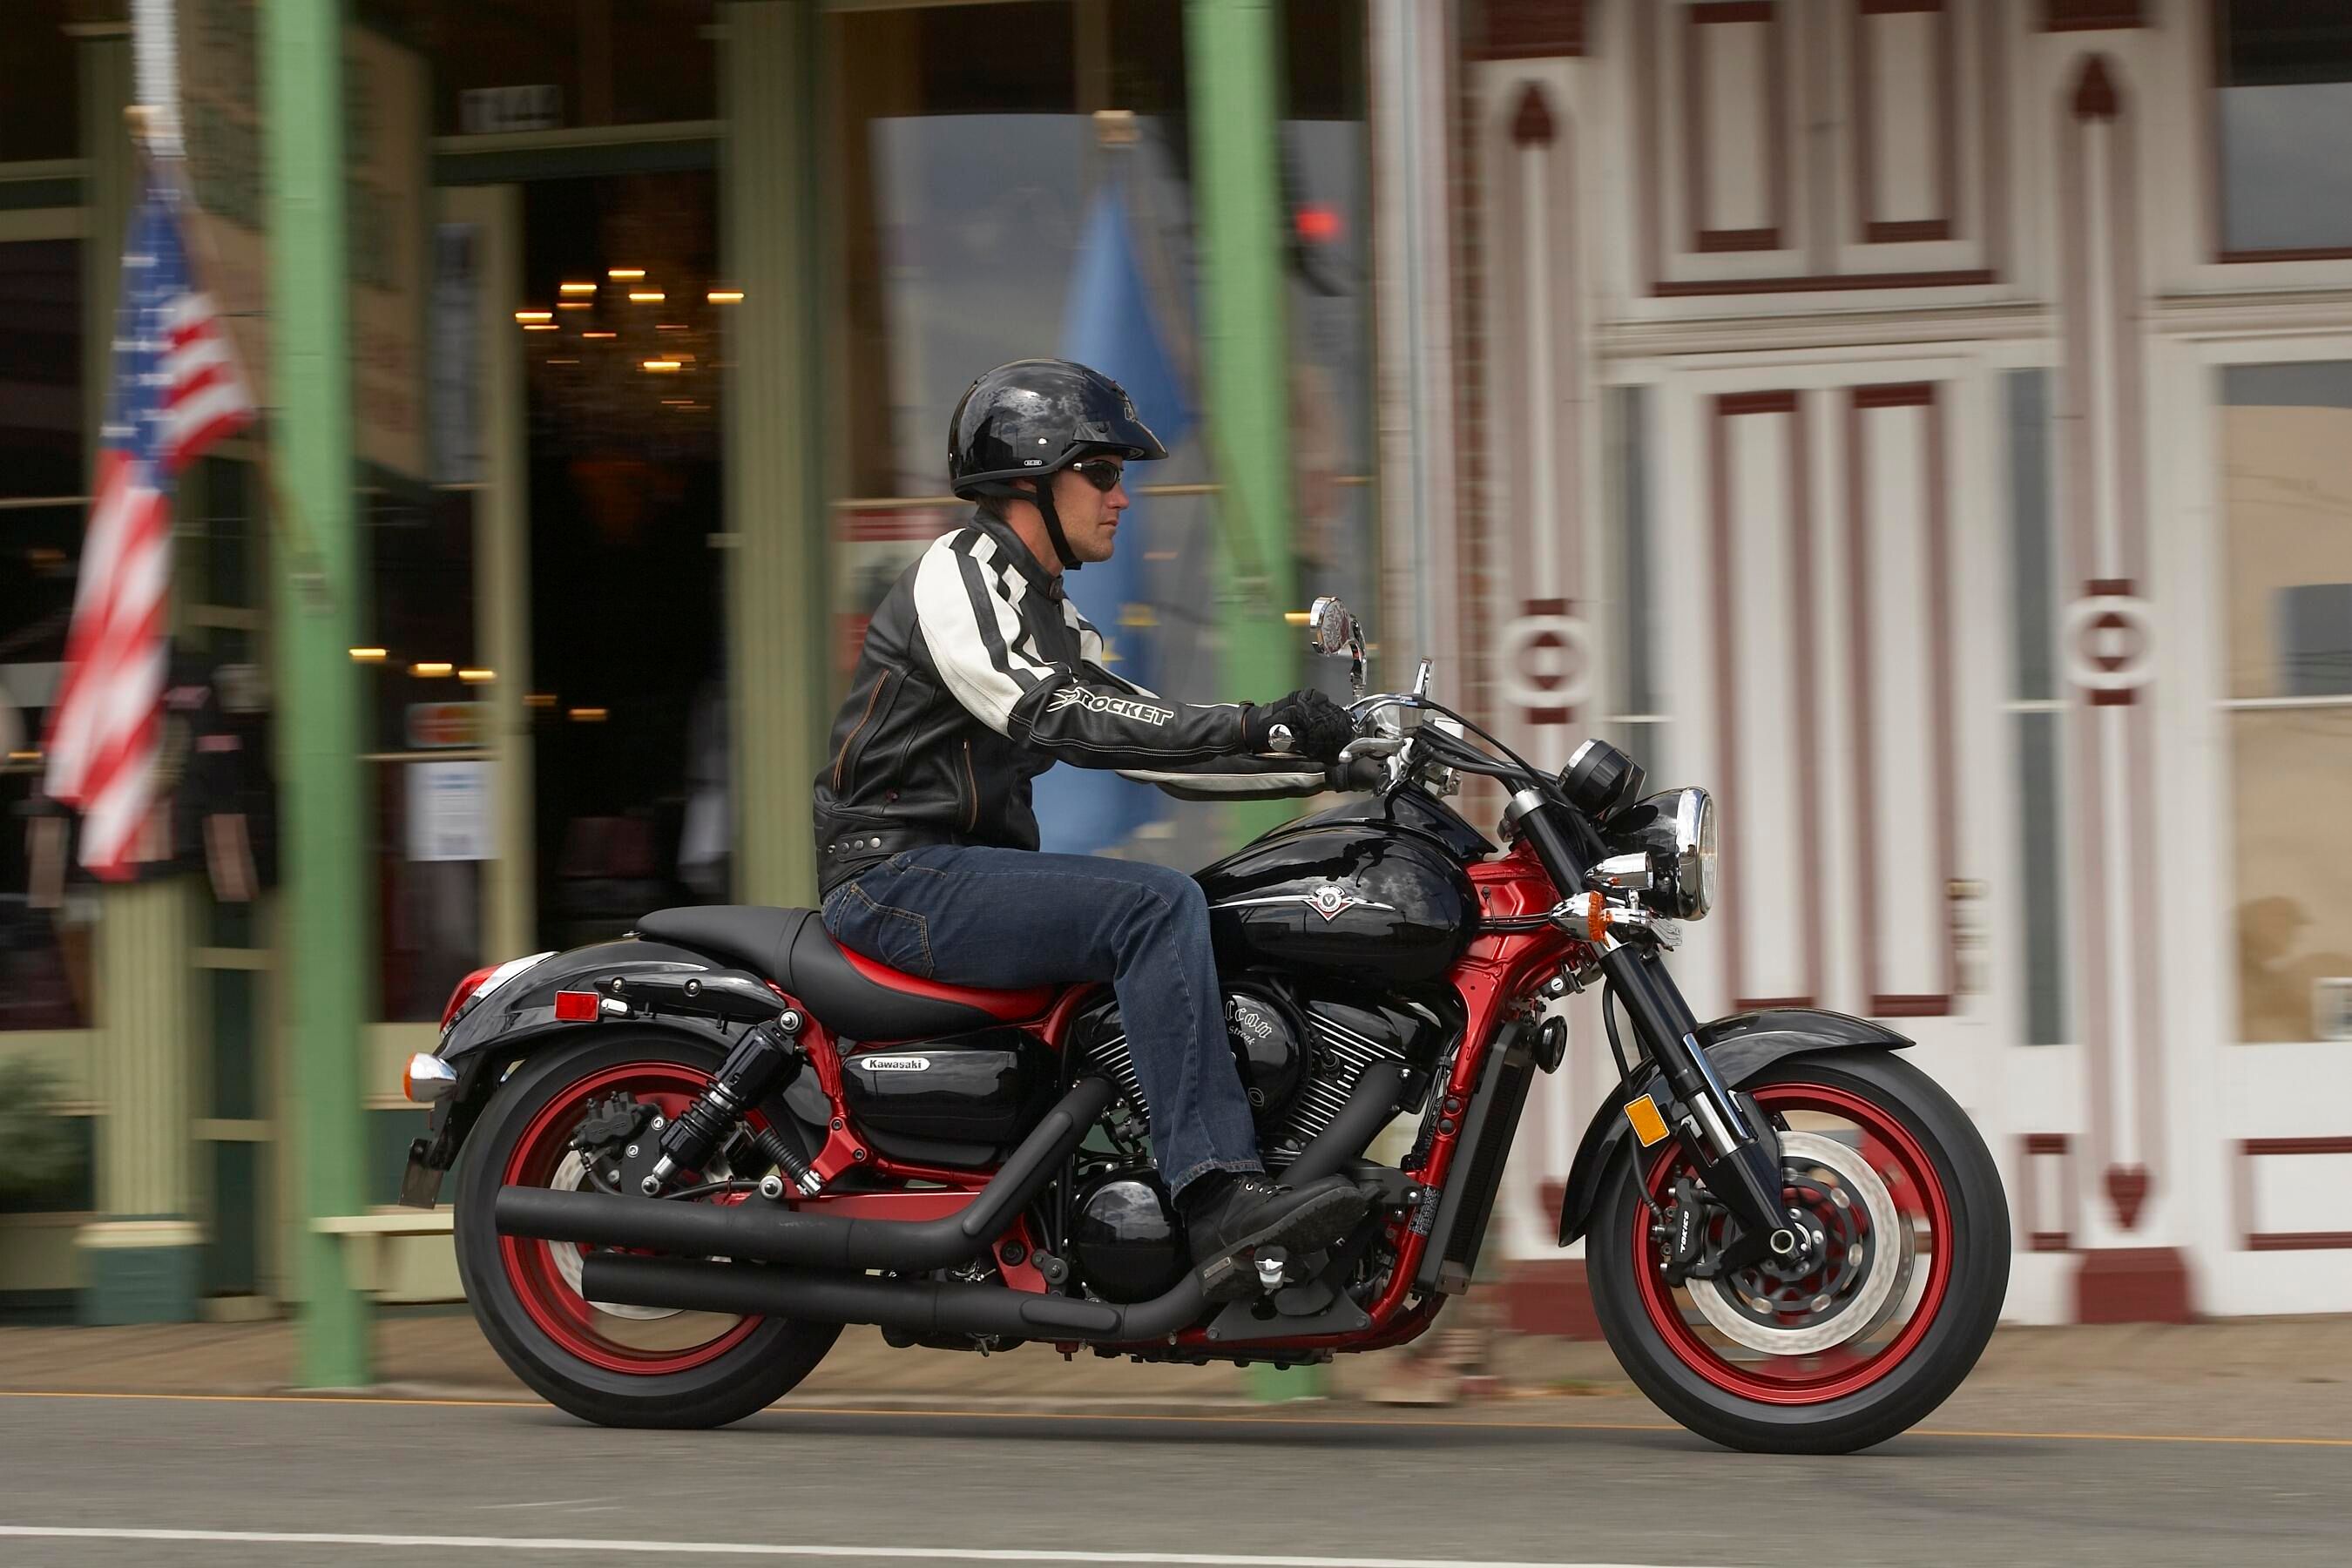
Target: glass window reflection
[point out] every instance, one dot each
(2287, 509)
(2284, 115)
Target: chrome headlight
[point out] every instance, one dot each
(1676, 831)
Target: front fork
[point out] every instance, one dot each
(1739, 1167)
(1738, 1162)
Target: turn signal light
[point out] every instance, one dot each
(426, 1079)
(575, 1007)
(1596, 919)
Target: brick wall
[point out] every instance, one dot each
(1474, 523)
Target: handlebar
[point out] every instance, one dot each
(1357, 775)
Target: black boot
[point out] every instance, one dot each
(1229, 1216)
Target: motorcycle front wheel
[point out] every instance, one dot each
(613, 1364)
(1886, 1318)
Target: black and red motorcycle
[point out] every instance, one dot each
(693, 1155)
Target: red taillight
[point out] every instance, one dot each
(458, 997)
(575, 1007)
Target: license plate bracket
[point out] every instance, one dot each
(420, 1184)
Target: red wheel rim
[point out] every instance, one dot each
(559, 1309)
(1919, 1197)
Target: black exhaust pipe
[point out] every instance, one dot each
(772, 1233)
(917, 1306)
(930, 1307)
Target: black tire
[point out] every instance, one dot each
(747, 1377)
(1905, 1394)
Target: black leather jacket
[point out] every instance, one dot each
(978, 674)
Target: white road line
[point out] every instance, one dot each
(755, 1548)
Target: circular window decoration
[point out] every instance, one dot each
(1546, 661)
(2110, 642)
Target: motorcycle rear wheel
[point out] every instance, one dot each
(616, 1367)
(1844, 1385)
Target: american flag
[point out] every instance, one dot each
(176, 391)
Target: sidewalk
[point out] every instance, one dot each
(2245, 1377)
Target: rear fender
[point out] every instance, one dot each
(1739, 1047)
(519, 1019)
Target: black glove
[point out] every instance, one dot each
(1318, 726)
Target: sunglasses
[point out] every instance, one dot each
(1100, 472)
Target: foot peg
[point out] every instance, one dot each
(1244, 1272)
(1275, 1224)
(1271, 1261)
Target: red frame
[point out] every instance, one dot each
(1492, 977)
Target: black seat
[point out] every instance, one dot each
(858, 998)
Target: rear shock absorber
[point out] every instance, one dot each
(764, 1062)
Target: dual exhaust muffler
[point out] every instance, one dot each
(811, 1265)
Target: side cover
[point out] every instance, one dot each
(1740, 1047)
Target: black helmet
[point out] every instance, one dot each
(1034, 418)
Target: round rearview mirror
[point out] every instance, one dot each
(1330, 627)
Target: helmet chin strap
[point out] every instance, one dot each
(1043, 499)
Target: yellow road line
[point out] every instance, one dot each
(279, 1399)
(1415, 1423)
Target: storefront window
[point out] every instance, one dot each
(961, 181)
(2038, 712)
(990, 211)
(2286, 515)
(2284, 70)
(44, 929)
(629, 679)
(432, 767)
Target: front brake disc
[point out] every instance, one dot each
(1853, 1312)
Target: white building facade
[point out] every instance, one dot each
(1929, 423)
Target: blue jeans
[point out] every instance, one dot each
(1012, 918)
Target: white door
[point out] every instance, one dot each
(1835, 529)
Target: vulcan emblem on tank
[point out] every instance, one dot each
(1328, 900)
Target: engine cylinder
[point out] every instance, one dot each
(1298, 1054)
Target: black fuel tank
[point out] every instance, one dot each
(1360, 898)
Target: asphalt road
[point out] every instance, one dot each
(365, 1482)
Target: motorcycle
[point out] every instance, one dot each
(694, 1154)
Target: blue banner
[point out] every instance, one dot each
(1109, 325)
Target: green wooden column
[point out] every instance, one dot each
(141, 1259)
(316, 605)
(1231, 48)
(140, 1262)
(1236, 71)
(780, 607)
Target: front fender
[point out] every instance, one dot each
(1739, 1047)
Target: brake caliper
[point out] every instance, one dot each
(1689, 1223)
(614, 1143)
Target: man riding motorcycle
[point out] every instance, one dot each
(977, 675)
